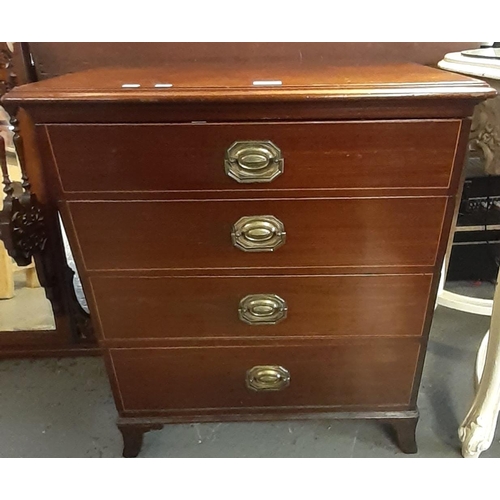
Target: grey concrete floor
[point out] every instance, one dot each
(64, 408)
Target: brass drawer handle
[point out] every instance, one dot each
(253, 161)
(259, 233)
(267, 378)
(262, 309)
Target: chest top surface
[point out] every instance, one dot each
(229, 92)
(229, 81)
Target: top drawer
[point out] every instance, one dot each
(191, 157)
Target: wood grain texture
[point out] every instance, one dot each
(326, 232)
(155, 308)
(44, 112)
(223, 91)
(342, 155)
(223, 81)
(336, 375)
(54, 59)
(380, 413)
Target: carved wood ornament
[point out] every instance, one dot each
(27, 229)
(22, 227)
(24, 230)
(485, 132)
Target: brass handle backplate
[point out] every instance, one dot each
(258, 233)
(267, 378)
(253, 161)
(262, 309)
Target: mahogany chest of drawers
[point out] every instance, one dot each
(256, 242)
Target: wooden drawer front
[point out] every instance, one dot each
(333, 374)
(316, 155)
(327, 232)
(159, 307)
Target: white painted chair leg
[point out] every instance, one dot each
(481, 358)
(461, 302)
(478, 428)
(464, 303)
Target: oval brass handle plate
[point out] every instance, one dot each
(262, 309)
(267, 378)
(258, 233)
(253, 161)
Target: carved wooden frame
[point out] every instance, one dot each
(30, 230)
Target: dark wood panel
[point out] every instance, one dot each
(325, 232)
(316, 155)
(238, 111)
(333, 375)
(148, 308)
(156, 420)
(43, 343)
(56, 58)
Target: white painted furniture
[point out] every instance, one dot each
(478, 428)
